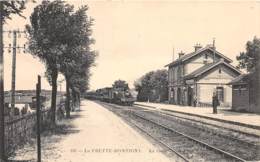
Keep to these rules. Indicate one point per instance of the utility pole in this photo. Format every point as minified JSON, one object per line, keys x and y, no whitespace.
{"x":2,"y":120}
{"x":14,"y":48}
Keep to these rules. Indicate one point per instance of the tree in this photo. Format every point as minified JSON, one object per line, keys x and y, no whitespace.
{"x":144,"y":87}
{"x":160,"y":84}
{"x":121,"y":84}
{"x":78,"y":56}
{"x":153,"y":86}
{"x":248,"y":59}
{"x":79,"y":84}
{"x":46,"y":39}
{"x":7,"y":8}
{"x":257,"y":82}
{"x":12,"y":7}
{"x":77,"y":78}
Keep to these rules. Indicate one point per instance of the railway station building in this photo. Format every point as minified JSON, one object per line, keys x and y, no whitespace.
{"x":195,"y":76}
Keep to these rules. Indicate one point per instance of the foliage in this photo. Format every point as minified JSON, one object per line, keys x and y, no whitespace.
{"x":153,"y":86}
{"x":46,"y":31}
{"x":12,"y":7}
{"x":248,"y":59}
{"x":46,"y":39}
{"x":78,"y":56}
{"x":61,"y":38}
{"x":121,"y":84}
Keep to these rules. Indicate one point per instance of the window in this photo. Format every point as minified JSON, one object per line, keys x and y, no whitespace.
{"x":219,"y":70}
{"x":206,"y":56}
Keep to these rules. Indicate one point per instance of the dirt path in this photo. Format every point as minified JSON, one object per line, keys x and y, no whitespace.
{"x":97,"y":135}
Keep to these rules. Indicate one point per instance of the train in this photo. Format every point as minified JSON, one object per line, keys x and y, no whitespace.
{"x":112,"y":95}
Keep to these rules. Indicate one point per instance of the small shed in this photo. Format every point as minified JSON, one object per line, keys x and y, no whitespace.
{"x":241,"y":93}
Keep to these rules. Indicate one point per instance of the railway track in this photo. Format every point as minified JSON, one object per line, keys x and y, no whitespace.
{"x":190,"y":145}
{"x":198,"y":120}
{"x":251,"y":140}
{"x":179,"y":156}
{"x":237,"y":147}
{"x":248,"y":139}
{"x":185,"y":147}
{"x":204,"y":127}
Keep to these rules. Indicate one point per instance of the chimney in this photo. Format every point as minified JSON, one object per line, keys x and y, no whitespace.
{"x":197,"y":47}
{"x":173,"y":54}
{"x":181,"y":54}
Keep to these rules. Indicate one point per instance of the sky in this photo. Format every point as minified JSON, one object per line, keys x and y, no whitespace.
{"x":135,"y":37}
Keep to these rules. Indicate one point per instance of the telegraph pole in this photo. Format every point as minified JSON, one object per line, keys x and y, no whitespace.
{"x":14,"y":48}
{"x":2,"y":120}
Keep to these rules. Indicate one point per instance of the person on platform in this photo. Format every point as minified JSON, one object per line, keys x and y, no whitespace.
{"x":215,"y":103}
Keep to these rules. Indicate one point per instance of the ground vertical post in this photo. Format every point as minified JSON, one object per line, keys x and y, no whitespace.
{"x":38,"y":113}
{"x":2,"y":125}
{"x":13,"y":72}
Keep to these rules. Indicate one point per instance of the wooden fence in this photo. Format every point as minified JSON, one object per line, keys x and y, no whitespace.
{"x":20,"y":130}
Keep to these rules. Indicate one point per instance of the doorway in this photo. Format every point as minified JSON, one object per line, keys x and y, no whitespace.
{"x":220,"y":94}
{"x":190,"y":94}
{"x":179,"y":96}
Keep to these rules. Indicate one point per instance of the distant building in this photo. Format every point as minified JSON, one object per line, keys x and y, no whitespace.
{"x":195,"y":76}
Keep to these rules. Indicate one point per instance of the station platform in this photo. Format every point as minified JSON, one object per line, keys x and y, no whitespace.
{"x":249,"y":120}
{"x":104,"y":136}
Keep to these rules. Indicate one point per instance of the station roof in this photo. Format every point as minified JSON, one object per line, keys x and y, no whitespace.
{"x":241,"y":79}
{"x":192,"y":54}
{"x":208,"y":67}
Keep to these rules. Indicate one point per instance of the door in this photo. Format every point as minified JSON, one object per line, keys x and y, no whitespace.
{"x":190,"y":92}
{"x":179,"y":96}
{"x":220,"y":94}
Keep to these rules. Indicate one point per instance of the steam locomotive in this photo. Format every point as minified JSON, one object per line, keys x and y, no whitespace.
{"x":112,"y":95}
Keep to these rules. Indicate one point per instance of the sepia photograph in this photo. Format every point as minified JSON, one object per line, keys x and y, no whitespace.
{"x":129,"y":81}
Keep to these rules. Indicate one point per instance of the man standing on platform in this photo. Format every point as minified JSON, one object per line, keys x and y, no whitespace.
{"x":215,"y":102}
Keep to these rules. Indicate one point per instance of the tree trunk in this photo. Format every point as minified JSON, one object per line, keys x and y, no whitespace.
{"x":73,"y":95}
{"x":53,"y":96}
{"x":67,"y":104}
{"x":258,"y":83}
{"x":78,"y":100}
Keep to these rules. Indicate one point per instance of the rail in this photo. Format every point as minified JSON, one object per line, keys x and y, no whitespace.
{"x":179,"y":155}
{"x":193,"y":139}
